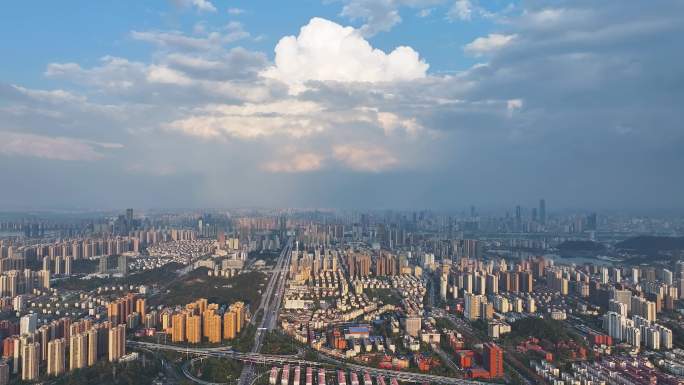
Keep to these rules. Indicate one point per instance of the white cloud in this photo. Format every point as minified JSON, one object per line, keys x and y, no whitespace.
{"x":235,"y":11}
{"x":235,"y":32}
{"x":114,"y":74}
{"x":55,"y":148}
{"x":425,"y":12}
{"x":514,"y":104}
{"x":200,"y":5}
{"x":174,"y":39}
{"x":326,"y":51}
{"x":289,"y":118}
{"x":488,"y":44}
{"x":467,"y":10}
{"x":209,"y":40}
{"x":381,"y":15}
{"x":461,"y":10}
{"x":52,"y":96}
{"x":365,"y":157}
{"x":204,"y":5}
{"x":295,"y":162}
{"x":544,"y":17}
{"x":390,"y":122}
{"x":166,"y":75}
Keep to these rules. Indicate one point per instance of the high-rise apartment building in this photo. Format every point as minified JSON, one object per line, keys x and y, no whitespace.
{"x":471,"y":308}
{"x":117,"y":342}
{"x":56,"y":364}
{"x":229,"y":325}
{"x":193,"y":329}
{"x":28,"y":323}
{"x":93,"y":339}
{"x":78,"y":351}
{"x":30,"y":361}
{"x":493,"y":360}
{"x":212,"y":327}
{"x":178,"y":327}
{"x":141,"y":307}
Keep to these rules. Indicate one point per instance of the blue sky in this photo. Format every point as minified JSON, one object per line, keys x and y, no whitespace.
{"x":347,"y":103}
{"x":84,"y":31}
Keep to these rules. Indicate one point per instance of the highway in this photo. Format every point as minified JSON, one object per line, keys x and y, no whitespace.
{"x":253,"y":358}
{"x":270,"y":306}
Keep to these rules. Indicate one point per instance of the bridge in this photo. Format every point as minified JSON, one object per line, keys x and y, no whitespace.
{"x":271,"y":359}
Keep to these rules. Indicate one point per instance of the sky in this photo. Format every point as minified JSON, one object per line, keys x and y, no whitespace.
{"x":342,"y":104}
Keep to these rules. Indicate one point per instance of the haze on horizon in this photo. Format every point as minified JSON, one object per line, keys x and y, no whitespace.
{"x":351,"y":103}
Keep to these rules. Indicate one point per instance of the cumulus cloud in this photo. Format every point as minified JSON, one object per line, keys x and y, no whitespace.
{"x":365,"y":157}
{"x":391,"y":122}
{"x":488,"y":44}
{"x":55,"y":148}
{"x":467,"y":10}
{"x":176,"y":39}
{"x":165,"y":75}
{"x":461,"y":10}
{"x":381,"y":15}
{"x":200,"y":5}
{"x":289,"y":118}
{"x":295,"y":162}
{"x":50,"y":96}
{"x":114,"y":73}
{"x":553,"y":78}
{"x":327,"y":51}
{"x":207,"y":40}
{"x":236,"y":63}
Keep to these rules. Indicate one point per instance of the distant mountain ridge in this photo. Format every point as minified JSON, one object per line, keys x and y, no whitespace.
{"x":649,"y":243}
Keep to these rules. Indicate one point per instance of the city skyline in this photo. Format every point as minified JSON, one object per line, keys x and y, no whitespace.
{"x":383,"y":297}
{"x":436,"y":104}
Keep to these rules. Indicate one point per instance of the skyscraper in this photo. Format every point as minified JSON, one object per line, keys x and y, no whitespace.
{"x":542,"y":211}
{"x":123,"y":265}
